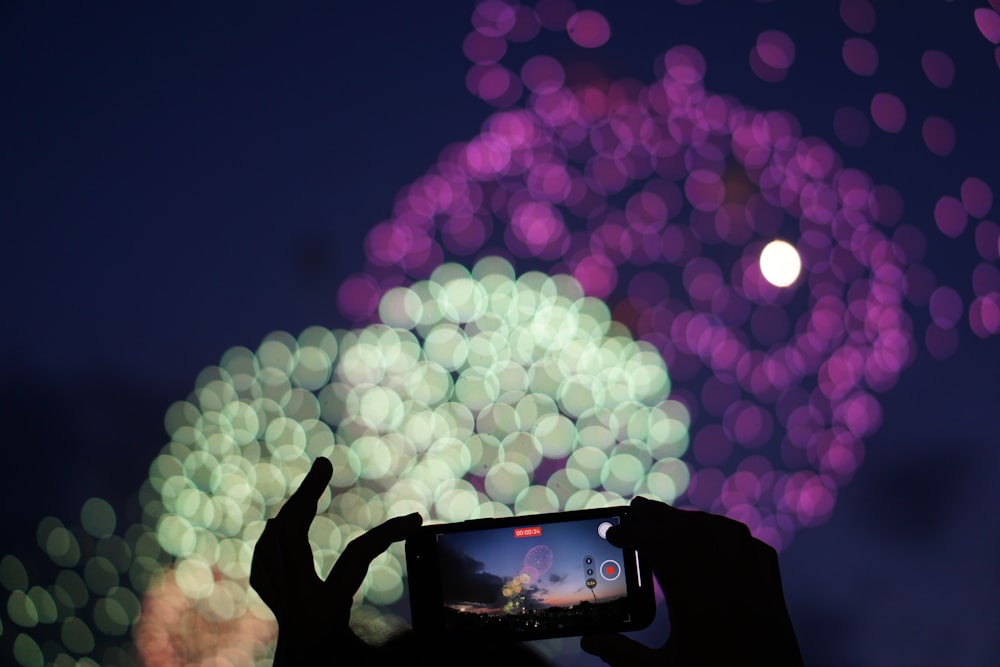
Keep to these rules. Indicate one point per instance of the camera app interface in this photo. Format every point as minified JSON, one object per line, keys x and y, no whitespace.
{"x":550,"y":576}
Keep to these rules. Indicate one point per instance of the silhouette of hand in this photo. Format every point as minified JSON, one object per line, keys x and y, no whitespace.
{"x":313,"y":614}
{"x":722,"y":588}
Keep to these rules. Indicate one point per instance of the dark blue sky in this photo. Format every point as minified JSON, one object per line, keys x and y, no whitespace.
{"x":181,"y":178}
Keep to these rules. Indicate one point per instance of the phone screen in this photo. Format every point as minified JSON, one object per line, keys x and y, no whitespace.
{"x":537,"y":576}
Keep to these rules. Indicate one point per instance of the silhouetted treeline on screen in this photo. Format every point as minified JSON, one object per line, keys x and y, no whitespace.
{"x":585,"y":613}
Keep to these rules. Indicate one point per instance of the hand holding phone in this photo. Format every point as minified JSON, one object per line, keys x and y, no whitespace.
{"x":722,"y":588}
{"x":528,"y":577}
{"x":313,"y":614}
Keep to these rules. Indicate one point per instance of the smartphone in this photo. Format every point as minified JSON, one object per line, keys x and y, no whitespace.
{"x":528,"y":577}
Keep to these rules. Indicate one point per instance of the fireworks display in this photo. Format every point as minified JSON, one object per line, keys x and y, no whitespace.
{"x":617,"y":287}
{"x":537,"y":562}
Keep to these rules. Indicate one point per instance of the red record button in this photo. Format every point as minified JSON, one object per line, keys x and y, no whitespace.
{"x":610,"y":570}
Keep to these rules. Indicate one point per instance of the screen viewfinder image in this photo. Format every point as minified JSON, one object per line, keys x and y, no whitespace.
{"x":547,"y":576}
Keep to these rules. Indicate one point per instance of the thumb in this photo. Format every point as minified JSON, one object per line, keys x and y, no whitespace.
{"x":618,"y":650}
{"x":352,"y":566}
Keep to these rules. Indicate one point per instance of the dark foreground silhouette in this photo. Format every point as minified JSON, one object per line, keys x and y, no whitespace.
{"x":722,"y":588}
{"x":603,"y":613}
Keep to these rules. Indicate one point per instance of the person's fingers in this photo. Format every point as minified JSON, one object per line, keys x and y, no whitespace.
{"x":630,"y":536}
{"x":282,"y":569}
{"x":649,"y":521}
{"x":653,"y":525}
{"x":619,"y":650}
{"x":352,"y":566}
{"x":299,"y":510}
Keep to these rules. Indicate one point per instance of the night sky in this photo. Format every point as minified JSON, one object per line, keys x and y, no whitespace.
{"x":180,"y":178}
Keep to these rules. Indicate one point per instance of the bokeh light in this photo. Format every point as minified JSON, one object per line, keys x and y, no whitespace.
{"x":780,"y":263}
{"x":482,"y":393}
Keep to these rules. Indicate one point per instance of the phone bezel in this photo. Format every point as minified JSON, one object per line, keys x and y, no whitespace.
{"x":424,"y":576}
